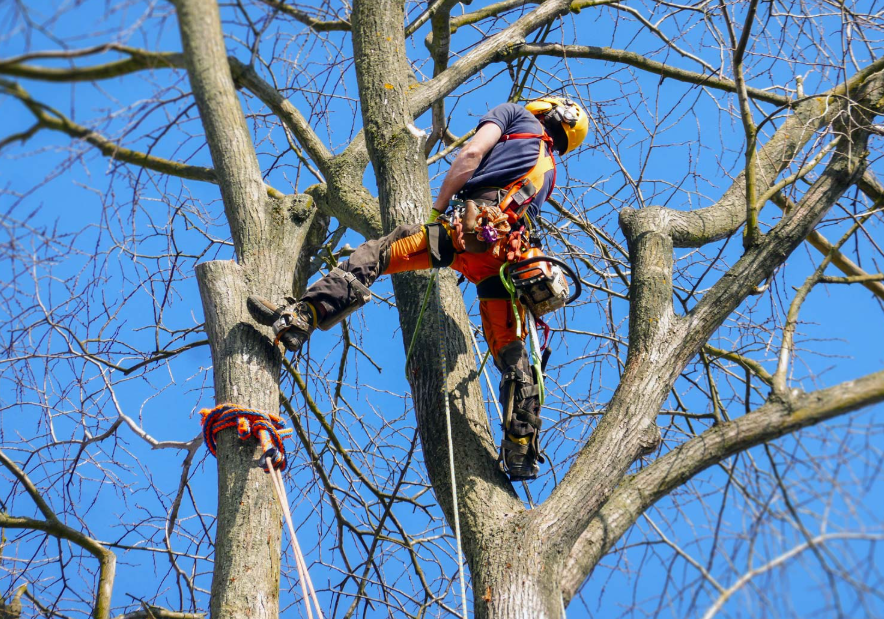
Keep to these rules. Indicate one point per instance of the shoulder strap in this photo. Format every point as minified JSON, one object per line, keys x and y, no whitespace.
{"x":534,"y":178}
{"x":526,"y":136}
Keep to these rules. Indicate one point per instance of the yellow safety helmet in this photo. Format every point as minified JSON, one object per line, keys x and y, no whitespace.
{"x":575,"y":122}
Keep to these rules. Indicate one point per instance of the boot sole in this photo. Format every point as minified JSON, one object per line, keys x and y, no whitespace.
{"x":263,"y":311}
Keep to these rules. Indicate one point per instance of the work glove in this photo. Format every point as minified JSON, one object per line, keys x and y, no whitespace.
{"x":434,"y":215}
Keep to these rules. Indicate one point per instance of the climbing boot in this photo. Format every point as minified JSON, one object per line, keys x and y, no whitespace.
{"x":518,"y":458}
{"x":519,"y":394}
{"x":520,"y":447}
{"x":292,"y":322}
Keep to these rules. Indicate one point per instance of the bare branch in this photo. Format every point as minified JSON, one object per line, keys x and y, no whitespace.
{"x":770,"y":421}
{"x":55,"y":527}
{"x":314,"y":23}
{"x":825,"y":247}
{"x":49,"y":118}
{"x":622,"y":56}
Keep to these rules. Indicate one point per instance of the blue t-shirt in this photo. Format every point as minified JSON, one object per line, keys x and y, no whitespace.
{"x":511,"y":160}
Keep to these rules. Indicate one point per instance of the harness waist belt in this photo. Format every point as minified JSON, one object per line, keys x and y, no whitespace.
{"x":489,"y":195}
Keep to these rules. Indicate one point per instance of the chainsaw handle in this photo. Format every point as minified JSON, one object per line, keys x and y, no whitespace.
{"x":571,"y":273}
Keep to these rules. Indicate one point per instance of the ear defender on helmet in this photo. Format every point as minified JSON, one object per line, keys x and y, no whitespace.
{"x":571,"y":117}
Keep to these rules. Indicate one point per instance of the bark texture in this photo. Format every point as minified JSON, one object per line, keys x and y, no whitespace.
{"x":268,"y":235}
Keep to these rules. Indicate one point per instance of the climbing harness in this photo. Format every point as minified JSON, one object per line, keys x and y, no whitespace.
{"x":443,"y":351}
{"x":519,"y":194}
{"x":270,"y":430}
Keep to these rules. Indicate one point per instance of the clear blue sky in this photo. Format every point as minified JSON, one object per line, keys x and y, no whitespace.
{"x":99,"y":220}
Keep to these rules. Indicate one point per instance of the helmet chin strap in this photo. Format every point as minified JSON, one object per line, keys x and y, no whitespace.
{"x":554,"y":128}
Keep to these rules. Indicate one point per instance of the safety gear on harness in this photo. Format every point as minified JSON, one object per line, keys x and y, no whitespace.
{"x":476,"y":225}
{"x":518,"y":195}
{"x":574,"y":121}
{"x":540,"y":284}
{"x":519,"y":394}
{"x":292,"y":323}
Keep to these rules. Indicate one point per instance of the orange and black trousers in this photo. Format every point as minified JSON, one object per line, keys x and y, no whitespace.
{"x":423,"y":246}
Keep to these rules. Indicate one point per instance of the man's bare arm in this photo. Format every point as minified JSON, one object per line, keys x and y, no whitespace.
{"x":465,"y":164}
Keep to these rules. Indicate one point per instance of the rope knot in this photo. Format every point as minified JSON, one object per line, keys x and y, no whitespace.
{"x":268,"y":428}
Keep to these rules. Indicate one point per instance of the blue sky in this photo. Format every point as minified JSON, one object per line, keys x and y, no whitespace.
{"x":100,"y":213}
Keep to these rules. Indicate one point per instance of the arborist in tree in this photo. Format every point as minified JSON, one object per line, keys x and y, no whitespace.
{"x":500,"y":178}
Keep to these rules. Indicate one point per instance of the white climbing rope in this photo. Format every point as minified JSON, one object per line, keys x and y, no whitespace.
{"x":303,"y":573}
{"x":443,"y":351}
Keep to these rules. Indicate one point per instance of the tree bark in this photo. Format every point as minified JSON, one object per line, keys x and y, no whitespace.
{"x":486,"y":499}
{"x":268,"y":235}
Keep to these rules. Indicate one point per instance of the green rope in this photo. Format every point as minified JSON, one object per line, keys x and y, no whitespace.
{"x":510,"y":287}
{"x":535,"y":363}
{"x":420,"y":318}
{"x":484,"y":361}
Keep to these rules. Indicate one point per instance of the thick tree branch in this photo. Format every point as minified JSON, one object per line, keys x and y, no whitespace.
{"x":696,"y":228}
{"x":770,"y":421}
{"x":633,"y":59}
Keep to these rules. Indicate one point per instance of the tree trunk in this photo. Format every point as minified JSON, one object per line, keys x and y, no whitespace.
{"x":268,"y":235}
{"x":246,"y":371}
{"x":486,"y":499}
{"x":514,"y":580}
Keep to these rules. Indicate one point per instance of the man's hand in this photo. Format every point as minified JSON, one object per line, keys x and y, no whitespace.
{"x":466,"y":162}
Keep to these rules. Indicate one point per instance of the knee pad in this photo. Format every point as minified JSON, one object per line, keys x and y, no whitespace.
{"x":440,"y":245}
{"x":518,"y":378}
